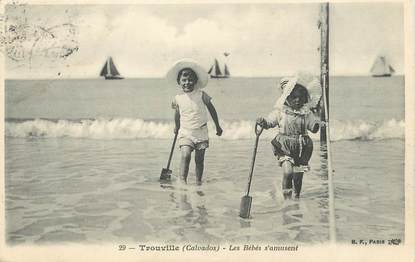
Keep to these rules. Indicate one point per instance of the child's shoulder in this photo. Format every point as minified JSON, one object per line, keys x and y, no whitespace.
{"x":176,"y":97}
{"x":179,"y":95}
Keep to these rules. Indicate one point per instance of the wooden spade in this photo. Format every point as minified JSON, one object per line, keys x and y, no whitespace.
{"x":166,"y":172}
{"x":246,"y":200}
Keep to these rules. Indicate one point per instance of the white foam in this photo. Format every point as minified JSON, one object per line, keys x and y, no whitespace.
{"x":127,"y":128}
{"x":366,"y":130}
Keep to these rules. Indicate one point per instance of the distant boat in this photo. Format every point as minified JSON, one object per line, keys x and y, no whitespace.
{"x":109,"y":71}
{"x":381,"y":68}
{"x":215,"y":71}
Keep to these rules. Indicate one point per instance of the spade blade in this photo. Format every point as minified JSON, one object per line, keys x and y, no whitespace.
{"x":245,"y":209}
{"x":165,"y":174}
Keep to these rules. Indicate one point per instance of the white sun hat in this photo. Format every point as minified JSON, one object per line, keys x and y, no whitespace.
{"x":310,"y":82}
{"x":201,"y":73}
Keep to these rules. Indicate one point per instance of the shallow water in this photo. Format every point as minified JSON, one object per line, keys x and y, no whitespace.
{"x":105,"y":190}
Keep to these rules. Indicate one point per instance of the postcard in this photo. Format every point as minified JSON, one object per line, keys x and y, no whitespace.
{"x":207,"y":130}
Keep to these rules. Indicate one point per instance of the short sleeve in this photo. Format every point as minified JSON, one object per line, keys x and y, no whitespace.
{"x":311,"y":121}
{"x":206,"y":98}
{"x":174,"y":104}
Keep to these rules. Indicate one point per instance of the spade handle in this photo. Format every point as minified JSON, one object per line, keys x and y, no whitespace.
{"x":172,"y":149}
{"x":258,"y":131}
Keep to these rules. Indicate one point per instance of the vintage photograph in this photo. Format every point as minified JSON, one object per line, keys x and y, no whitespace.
{"x":204,"y":126}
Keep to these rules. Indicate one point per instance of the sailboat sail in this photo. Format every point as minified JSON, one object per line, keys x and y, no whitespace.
{"x":381,"y":67}
{"x":109,"y":71}
{"x":104,"y":70}
{"x":216,"y":72}
{"x":113,"y":69}
{"x":226,"y":71}
{"x":217,"y":68}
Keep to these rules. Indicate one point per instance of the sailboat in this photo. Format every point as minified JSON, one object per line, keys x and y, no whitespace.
{"x":381,"y":68}
{"x":109,"y":71}
{"x":215,"y":71}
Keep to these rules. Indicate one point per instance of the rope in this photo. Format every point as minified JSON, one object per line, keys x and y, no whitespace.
{"x":332,"y":215}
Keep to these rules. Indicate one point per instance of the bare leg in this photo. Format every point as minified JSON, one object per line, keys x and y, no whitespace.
{"x":199,"y":160}
{"x":186,"y":152}
{"x":298,"y":182}
{"x":287,"y":184}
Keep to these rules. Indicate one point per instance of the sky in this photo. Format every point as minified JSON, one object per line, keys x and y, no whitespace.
{"x":73,"y":41}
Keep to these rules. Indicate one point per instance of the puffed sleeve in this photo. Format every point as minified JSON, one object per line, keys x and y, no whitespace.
{"x":273,"y":118}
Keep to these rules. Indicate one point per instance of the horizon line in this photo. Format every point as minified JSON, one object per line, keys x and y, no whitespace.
{"x":161,"y":77}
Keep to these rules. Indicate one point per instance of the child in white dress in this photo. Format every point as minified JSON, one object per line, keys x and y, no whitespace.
{"x":191,"y":115}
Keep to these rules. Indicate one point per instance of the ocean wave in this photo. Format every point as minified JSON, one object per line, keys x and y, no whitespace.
{"x":362,"y":130}
{"x":128,"y":128}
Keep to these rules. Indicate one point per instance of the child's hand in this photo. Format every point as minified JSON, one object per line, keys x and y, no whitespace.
{"x":219,"y":131}
{"x":261,"y":122}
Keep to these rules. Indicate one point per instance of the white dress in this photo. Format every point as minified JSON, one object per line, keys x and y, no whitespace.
{"x":193,"y":115}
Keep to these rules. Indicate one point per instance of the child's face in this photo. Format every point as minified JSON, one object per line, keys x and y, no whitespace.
{"x":187,"y":80}
{"x":297,"y":98}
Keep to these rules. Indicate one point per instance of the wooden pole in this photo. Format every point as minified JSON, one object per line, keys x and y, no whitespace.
{"x":332,"y":212}
{"x":325,"y":130}
{"x":324,"y":63}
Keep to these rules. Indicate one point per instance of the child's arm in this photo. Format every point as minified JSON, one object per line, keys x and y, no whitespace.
{"x":270,"y":121}
{"x":176,"y":116}
{"x":176,"y":120}
{"x":207,"y":100}
{"x":315,"y":128}
{"x":215,"y":118}
{"x":313,"y":123}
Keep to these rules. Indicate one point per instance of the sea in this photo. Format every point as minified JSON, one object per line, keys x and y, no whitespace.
{"x":83,"y":159}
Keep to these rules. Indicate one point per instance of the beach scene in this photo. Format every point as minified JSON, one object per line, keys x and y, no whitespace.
{"x":89,"y":124}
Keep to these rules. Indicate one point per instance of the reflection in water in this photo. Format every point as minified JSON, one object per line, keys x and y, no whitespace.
{"x":291,"y":214}
{"x":196,"y":213}
{"x":323,"y":172}
{"x":244,"y":223}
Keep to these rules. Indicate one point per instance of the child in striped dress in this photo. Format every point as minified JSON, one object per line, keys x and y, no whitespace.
{"x":292,"y":146}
